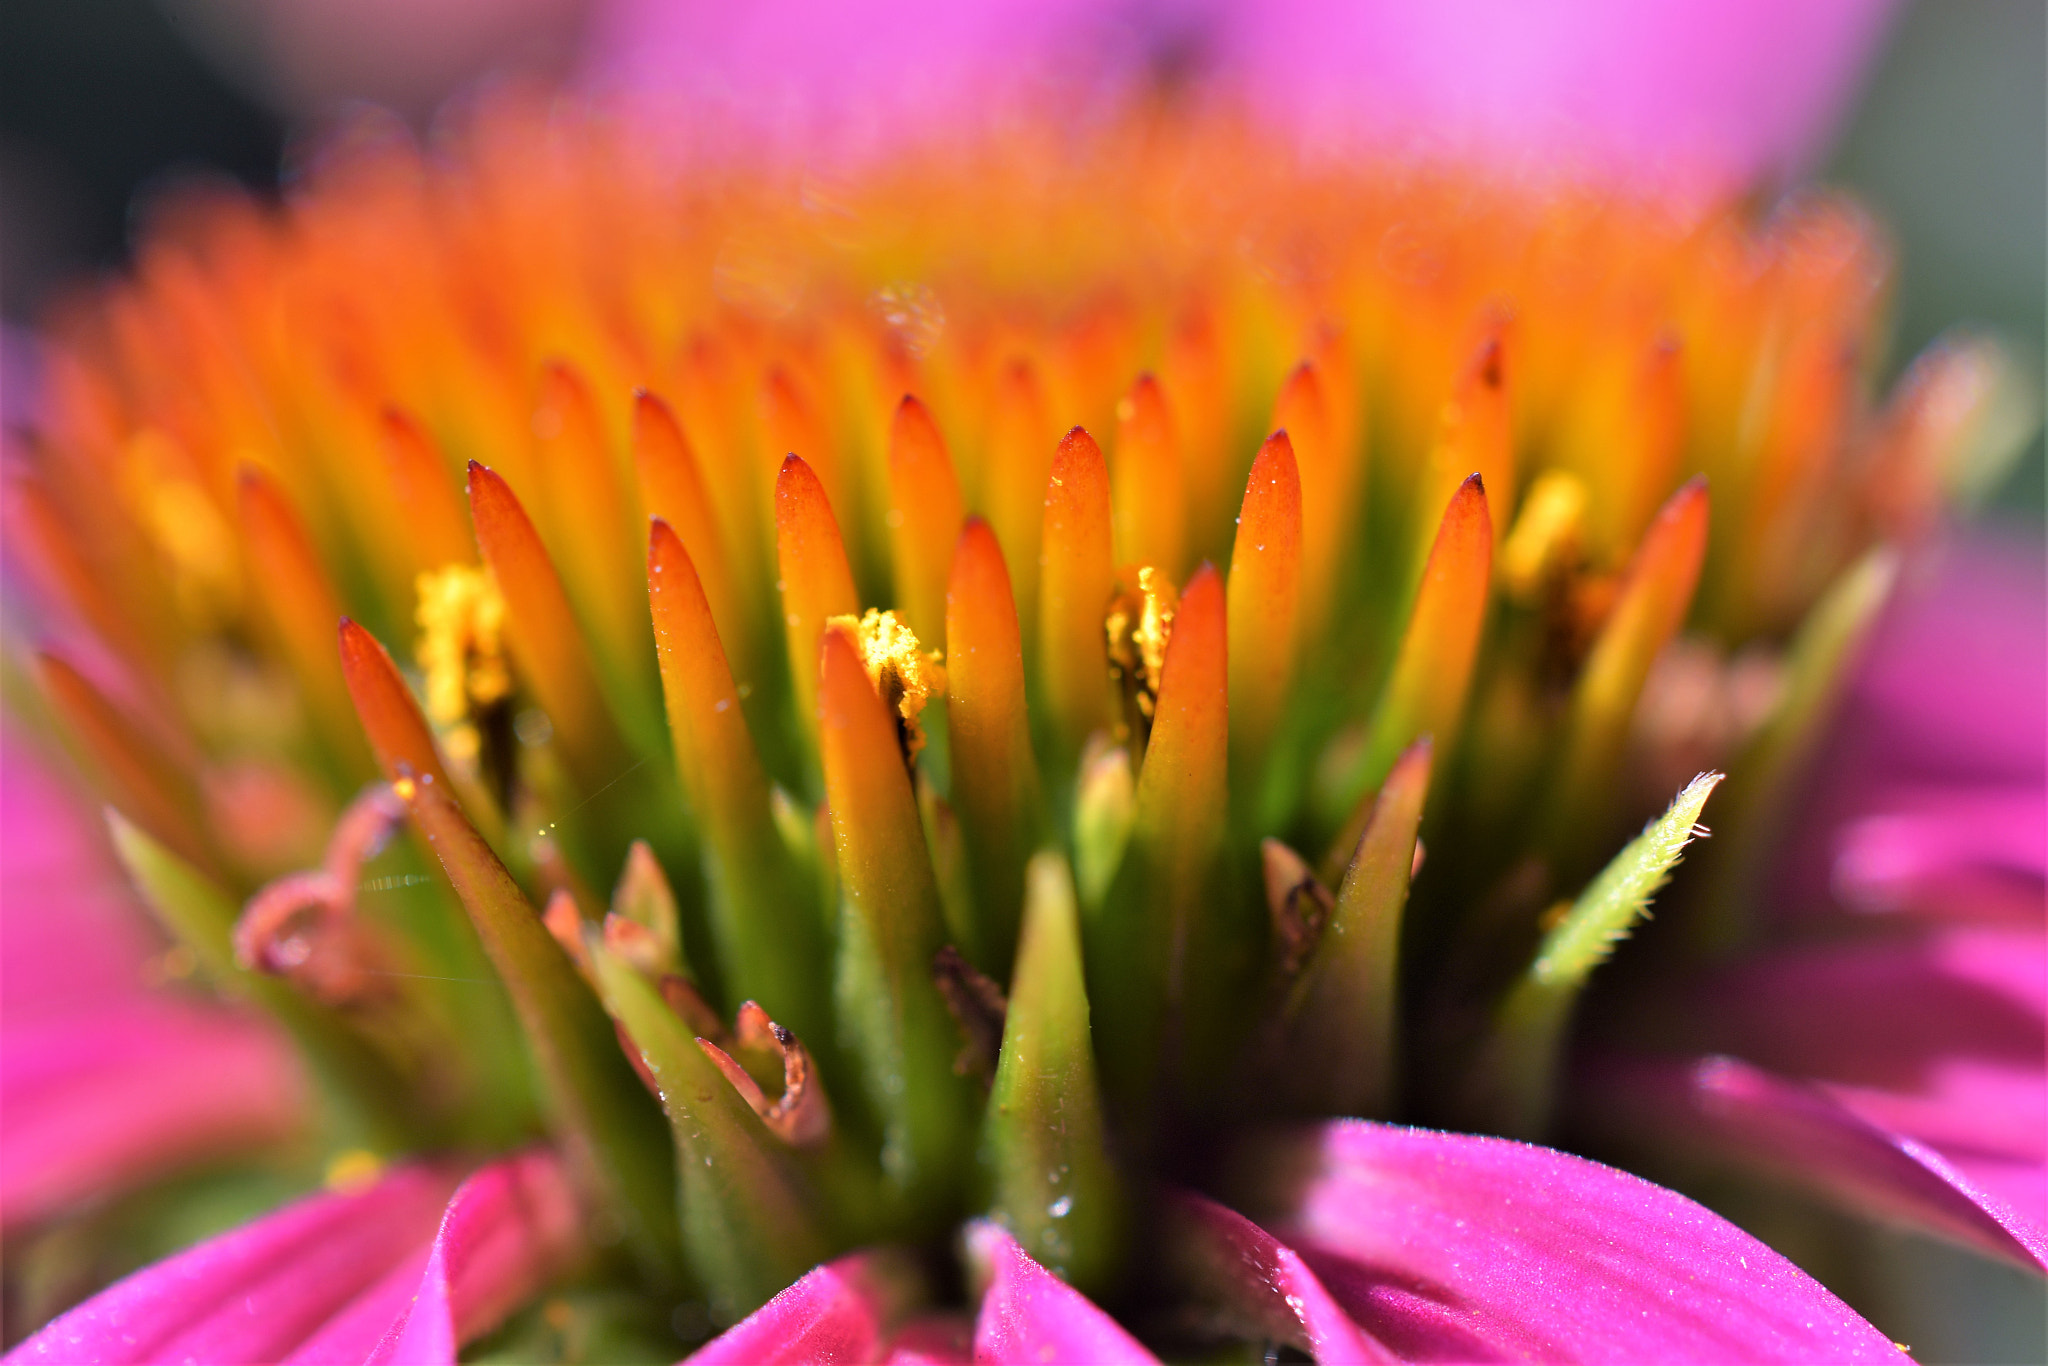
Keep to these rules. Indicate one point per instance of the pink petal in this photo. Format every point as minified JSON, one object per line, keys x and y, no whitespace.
{"x":1942,"y":745}
{"x":1447,"y":1246}
{"x":254,"y":1294}
{"x":509,"y":1229}
{"x":99,"y":1103}
{"x":1726,"y":1110}
{"x":1980,"y":852}
{"x":1266,"y":1286}
{"x":1726,"y":87}
{"x":1953,"y":683}
{"x":1950,"y":1024}
{"x":1028,"y":1315}
{"x":838,"y":1312}
{"x":72,"y":935}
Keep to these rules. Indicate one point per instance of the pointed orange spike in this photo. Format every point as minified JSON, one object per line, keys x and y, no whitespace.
{"x":1018,"y":457}
{"x":391,"y":719}
{"x":1166,"y":954}
{"x":924,"y":516}
{"x":1329,"y":487}
{"x":995,"y":775}
{"x":875,"y":825}
{"x":586,"y":511}
{"x":895,"y":922}
{"x":1077,"y":574}
{"x":146,"y":784}
{"x":794,"y":427}
{"x":1425,"y":693}
{"x":437,"y":525}
{"x":1655,"y":595}
{"x":546,"y":640}
{"x":672,"y":489}
{"x":286,"y":572}
{"x":1475,"y":430}
{"x":768,"y":937}
{"x":1264,"y":597}
{"x":1151,"y":503}
{"x":816,"y":580}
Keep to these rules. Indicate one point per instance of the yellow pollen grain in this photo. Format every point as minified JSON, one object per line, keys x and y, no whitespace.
{"x":1138,"y":625}
{"x":353,"y":1170}
{"x":906,"y":676}
{"x":461,"y":617}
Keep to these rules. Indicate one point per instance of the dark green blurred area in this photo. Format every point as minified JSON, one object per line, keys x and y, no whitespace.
{"x":1948,"y":142}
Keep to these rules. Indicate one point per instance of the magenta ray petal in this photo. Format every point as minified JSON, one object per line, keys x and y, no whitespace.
{"x":105,"y":1084}
{"x":1969,"y":852}
{"x":1266,"y":1286}
{"x":837,"y":1312}
{"x":508,"y":1230}
{"x":1453,"y":1247}
{"x":256,"y":1293}
{"x":1950,"y":1023}
{"x":97,"y":1103}
{"x":1726,"y":1110}
{"x":1029,"y":1316}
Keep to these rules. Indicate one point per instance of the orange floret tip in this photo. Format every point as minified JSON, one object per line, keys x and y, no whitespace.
{"x":546,"y":640}
{"x":1656,"y":593}
{"x":1265,"y":596}
{"x":1425,"y":693}
{"x":924,"y":516}
{"x":815,"y":578}
{"x":1077,"y":574}
{"x":996,"y":775}
{"x":672,"y":489}
{"x":391,"y":719}
{"x":1150,"y":498}
{"x":287,"y":573}
{"x":437,"y":525}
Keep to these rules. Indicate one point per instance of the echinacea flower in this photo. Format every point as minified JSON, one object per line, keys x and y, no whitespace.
{"x":1125,"y":699}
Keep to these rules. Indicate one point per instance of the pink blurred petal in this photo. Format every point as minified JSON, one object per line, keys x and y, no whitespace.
{"x":1725,"y":87}
{"x":106,"y":1084}
{"x":507,"y":1231}
{"x":70,"y":934}
{"x":256,"y":1293}
{"x":1030,"y":1316}
{"x":836,"y":1312}
{"x":1730,"y":1111}
{"x":1714,"y":88}
{"x":510,"y":1229}
{"x":1929,"y":798}
{"x":100,"y":1103}
{"x":1265,"y":1287}
{"x":1977,"y":851}
{"x":1955,"y":1017}
{"x":1452,"y":1247}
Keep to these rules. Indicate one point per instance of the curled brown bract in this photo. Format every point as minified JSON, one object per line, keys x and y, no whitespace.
{"x":800,"y":1116}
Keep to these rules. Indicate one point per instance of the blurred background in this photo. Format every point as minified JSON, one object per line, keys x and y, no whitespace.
{"x":100,"y":100}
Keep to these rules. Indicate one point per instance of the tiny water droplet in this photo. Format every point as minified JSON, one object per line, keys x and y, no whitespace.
{"x":1061,"y":1208}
